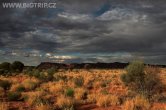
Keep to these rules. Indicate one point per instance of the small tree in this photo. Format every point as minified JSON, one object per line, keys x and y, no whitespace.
{"x":140,"y":79}
{"x":17,"y":66}
{"x":5,"y":84}
{"x":4,"y":67}
{"x":135,"y":75}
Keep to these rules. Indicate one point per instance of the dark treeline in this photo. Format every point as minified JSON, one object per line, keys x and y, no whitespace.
{"x":115,"y":65}
{"x":18,"y":66}
{"x":7,"y":67}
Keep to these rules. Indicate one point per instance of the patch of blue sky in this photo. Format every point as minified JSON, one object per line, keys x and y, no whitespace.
{"x":103,"y":9}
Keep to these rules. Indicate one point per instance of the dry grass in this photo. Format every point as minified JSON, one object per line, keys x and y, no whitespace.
{"x":92,"y":98}
{"x":1,"y":92}
{"x":64,"y":102}
{"x":79,"y":93}
{"x":4,"y":106}
{"x":43,"y":107}
{"x":30,"y":84}
{"x":56,"y":88}
{"x":101,"y":87}
{"x":33,"y":97}
{"x":107,"y":100}
{"x":139,"y":102}
{"x":14,"y":87}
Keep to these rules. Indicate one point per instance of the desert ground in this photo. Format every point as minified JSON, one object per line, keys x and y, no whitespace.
{"x":76,"y":89}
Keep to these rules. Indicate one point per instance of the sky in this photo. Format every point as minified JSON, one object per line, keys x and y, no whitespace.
{"x":81,"y":31}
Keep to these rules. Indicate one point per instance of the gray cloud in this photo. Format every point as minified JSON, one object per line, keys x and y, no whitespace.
{"x":87,"y":27}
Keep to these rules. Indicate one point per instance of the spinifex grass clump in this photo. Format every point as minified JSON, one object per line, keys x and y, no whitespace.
{"x":20,"y":88}
{"x":70,"y":92}
{"x":79,"y":81}
{"x":14,"y":96}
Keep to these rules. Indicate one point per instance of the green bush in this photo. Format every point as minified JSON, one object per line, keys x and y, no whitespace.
{"x":14,"y":96}
{"x":51,"y":73}
{"x":5,"y":84}
{"x":103,"y":85}
{"x":35,"y":73}
{"x":135,"y":75}
{"x":20,"y":88}
{"x":4,"y":68}
{"x":29,"y":69}
{"x":17,"y":66}
{"x":70,"y":92}
{"x":125,"y":78}
{"x":142,"y":80}
{"x":30,"y":72}
{"x":42,"y":75}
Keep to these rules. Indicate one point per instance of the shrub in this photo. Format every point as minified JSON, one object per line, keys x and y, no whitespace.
{"x":44,"y":76}
{"x":35,"y":98}
{"x":14,"y":96}
{"x":30,"y":85}
{"x":70,"y":92}
{"x":51,"y":71}
{"x":28,"y":70}
{"x":17,"y":66}
{"x":5,"y":67}
{"x":50,"y":74}
{"x":135,"y":74}
{"x":79,"y":81}
{"x":143,"y":80}
{"x":36,"y":73}
{"x":5,"y":84}
{"x":20,"y":88}
{"x":103,"y":84}
{"x":104,"y":92}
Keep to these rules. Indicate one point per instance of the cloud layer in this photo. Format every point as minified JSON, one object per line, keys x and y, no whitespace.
{"x":85,"y":31}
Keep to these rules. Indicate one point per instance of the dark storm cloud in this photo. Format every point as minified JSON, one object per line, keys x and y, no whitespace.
{"x":81,"y":6}
{"x":136,"y":27}
{"x":64,"y":24}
